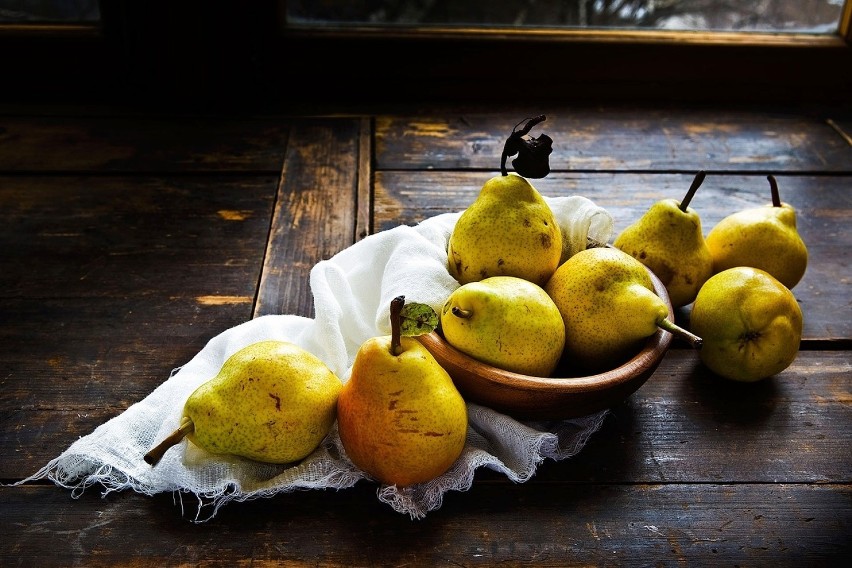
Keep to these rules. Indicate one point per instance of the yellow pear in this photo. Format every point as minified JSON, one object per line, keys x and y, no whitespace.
{"x":668,"y":239}
{"x":271,"y":401}
{"x":509,"y":230}
{"x":400,"y":417}
{"x":761,"y":237}
{"x":507,"y":322}
{"x":609,"y":308}
{"x":750,"y":322}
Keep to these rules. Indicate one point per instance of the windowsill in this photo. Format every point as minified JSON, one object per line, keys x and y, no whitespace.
{"x":624,"y":36}
{"x":51,"y":30}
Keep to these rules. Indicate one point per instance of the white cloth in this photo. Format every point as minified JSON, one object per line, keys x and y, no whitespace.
{"x":352,"y":293}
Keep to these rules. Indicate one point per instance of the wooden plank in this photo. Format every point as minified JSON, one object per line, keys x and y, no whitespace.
{"x":44,"y":143}
{"x":824,"y":207}
{"x":315,"y":213}
{"x":619,"y":139}
{"x":683,"y":426}
{"x":687,"y":425}
{"x":31,"y":438}
{"x":88,"y":353}
{"x":109,"y":283}
{"x":118,"y":236}
{"x":364,"y":217}
{"x":491,"y":524}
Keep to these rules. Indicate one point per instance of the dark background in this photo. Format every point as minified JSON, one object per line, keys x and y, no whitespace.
{"x":235,"y":54}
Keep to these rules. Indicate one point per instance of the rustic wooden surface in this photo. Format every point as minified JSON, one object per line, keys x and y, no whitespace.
{"x":128,"y":241}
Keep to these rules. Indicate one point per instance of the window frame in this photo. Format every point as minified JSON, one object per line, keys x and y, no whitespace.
{"x":126,"y":55}
{"x":699,"y":66}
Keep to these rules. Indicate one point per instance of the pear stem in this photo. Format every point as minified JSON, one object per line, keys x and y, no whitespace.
{"x":672,"y":327}
{"x":396,"y":324}
{"x":460,"y":313}
{"x":773,"y":187}
{"x":696,"y":183}
{"x":156,"y":453}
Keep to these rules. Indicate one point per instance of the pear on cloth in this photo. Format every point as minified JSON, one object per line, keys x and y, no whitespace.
{"x":271,"y":401}
{"x":400,"y":418}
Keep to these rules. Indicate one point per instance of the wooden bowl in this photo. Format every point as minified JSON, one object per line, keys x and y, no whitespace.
{"x":545,"y":398}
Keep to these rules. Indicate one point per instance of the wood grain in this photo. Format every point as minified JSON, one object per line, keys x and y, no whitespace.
{"x":686,"y":424}
{"x":86,"y":353}
{"x":164,"y":143}
{"x":315,"y":212}
{"x":619,"y":139}
{"x":608,"y":525}
{"x":86,"y":236}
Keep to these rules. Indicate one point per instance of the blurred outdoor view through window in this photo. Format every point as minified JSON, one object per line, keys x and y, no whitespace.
{"x":801,"y":16}
{"x":49,"y":11}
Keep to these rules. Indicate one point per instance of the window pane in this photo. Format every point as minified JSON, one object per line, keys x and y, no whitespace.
{"x":808,"y":16}
{"x":49,"y":11}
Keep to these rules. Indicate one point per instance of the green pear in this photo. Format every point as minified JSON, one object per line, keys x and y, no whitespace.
{"x":509,"y":230}
{"x":271,"y":401}
{"x":668,"y":239}
{"x":763,"y":237}
{"x":609,"y":307}
{"x":400,"y":417}
{"x":750,"y":322}
{"x":507,"y":322}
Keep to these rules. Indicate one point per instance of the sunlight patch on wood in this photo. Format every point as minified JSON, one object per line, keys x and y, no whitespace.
{"x":234,"y":215}
{"x":436,"y":129}
{"x":223,"y":300}
{"x":606,"y":162}
{"x":700,"y":129}
{"x":760,"y":159}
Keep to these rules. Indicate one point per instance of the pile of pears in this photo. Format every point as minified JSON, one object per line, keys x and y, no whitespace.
{"x":399,"y":416}
{"x":522,"y":307}
{"x":518,"y":299}
{"x":669,"y":240}
{"x":738,"y":279}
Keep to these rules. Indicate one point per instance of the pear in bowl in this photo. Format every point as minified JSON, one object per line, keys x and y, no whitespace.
{"x":507,"y":322}
{"x":563,"y":395}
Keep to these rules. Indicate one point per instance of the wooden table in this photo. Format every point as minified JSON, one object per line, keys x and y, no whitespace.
{"x":131,"y":238}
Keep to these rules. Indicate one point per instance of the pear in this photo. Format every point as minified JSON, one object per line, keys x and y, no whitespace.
{"x":669,"y":240}
{"x":271,"y":401}
{"x":763,"y":237}
{"x":400,"y":417}
{"x":609,"y":307}
{"x":509,"y":230}
{"x":750,"y":322}
{"x":507,"y":322}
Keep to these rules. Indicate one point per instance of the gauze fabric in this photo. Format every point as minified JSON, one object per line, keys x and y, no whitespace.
{"x":352,"y":292}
